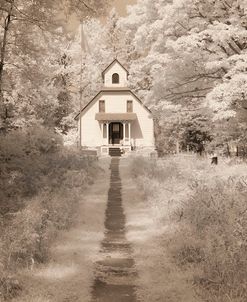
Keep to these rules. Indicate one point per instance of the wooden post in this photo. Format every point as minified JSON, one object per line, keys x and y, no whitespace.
{"x":102,"y":131}
{"x":129,"y":133}
{"x":124,"y":134}
{"x":107,"y":133}
{"x":177,"y":147}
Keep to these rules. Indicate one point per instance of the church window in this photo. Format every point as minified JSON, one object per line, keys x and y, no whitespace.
{"x":115,"y":78}
{"x":101,"y":106}
{"x":129,"y":106}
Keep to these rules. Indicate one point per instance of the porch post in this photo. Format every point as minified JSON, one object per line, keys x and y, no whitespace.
{"x":107,"y":132}
{"x":129,"y":133}
{"x":124,"y":134}
{"x":102,"y":132}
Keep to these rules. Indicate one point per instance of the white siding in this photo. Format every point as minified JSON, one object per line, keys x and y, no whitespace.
{"x":123,"y":76}
{"x":142,"y":130}
{"x":90,"y":129}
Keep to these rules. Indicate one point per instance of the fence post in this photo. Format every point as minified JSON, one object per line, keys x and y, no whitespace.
{"x":177,"y":147}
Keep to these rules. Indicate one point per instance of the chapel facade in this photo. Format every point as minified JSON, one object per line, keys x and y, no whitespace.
{"x":116,"y":121}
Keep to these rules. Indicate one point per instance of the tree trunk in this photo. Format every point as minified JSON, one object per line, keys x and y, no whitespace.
{"x":6,"y":26}
{"x":228,"y":150}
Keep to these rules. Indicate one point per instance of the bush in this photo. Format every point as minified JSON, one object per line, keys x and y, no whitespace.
{"x":217,"y":213}
{"x":203,"y":211}
{"x":9,"y":287}
{"x":153,"y":168}
{"x":40,"y":186}
{"x":25,"y":157}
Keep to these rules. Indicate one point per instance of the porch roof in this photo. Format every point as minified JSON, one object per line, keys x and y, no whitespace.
{"x":104,"y":117}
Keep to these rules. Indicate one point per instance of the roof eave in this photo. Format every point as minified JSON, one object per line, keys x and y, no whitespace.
{"x":116,"y":60}
{"x":127,"y":90}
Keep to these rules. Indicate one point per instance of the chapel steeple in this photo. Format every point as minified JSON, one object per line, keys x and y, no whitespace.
{"x":115,"y":75}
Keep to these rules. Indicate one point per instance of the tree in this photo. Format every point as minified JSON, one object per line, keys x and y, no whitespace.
{"x":192,"y":55}
{"x":31,"y":31}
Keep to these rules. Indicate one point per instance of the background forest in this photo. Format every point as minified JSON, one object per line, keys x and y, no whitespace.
{"x":187,"y":61}
{"x":40,"y":179}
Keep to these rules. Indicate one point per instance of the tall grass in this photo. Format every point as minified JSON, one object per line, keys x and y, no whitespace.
{"x":205,"y":209}
{"x":41,"y":185}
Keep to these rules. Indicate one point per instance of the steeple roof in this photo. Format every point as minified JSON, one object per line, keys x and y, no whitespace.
{"x":112,"y":63}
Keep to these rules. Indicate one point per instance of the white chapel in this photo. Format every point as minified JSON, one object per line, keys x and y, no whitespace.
{"x":115,"y":121}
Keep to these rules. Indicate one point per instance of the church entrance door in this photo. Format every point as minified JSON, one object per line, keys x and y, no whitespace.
{"x":115,"y":133}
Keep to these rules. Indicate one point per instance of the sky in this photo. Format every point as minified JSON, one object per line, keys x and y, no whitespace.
{"x":120,"y":5}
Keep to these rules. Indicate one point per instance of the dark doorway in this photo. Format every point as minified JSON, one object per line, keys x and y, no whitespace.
{"x":115,"y":133}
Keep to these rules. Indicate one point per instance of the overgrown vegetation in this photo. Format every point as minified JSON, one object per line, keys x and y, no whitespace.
{"x":40,"y":180}
{"x":41,"y":183}
{"x":204,"y":212}
{"x":187,"y":62}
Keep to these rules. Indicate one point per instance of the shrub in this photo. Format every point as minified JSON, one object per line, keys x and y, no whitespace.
{"x":41,"y":184}
{"x":203,"y":211}
{"x":154,"y":169}
{"x":25,"y":157}
{"x":9,"y":287}
{"x":217,"y":213}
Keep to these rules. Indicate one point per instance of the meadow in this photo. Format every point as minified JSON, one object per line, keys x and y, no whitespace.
{"x":41,"y":185}
{"x":196,"y":247}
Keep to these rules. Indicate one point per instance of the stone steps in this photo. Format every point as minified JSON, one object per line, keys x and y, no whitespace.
{"x":115,"y":152}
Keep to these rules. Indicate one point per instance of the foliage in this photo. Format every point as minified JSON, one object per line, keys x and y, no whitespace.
{"x":217,"y":213}
{"x":187,"y":63}
{"x":192,"y":61}
{"x":34,"y":82}
{"x":202,"y":212}
{"x":41,"y":184}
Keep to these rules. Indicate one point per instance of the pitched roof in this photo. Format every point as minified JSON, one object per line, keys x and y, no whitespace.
{"x":111,"y":90}
{"x":113,"y":62}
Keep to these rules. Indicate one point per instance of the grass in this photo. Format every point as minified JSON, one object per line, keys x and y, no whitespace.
{"x":68,"y":273}
{"x":199,"y":221}
{"x":41,"y":185}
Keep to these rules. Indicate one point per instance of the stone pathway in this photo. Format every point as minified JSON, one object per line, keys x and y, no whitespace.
{"x":115,"y":271}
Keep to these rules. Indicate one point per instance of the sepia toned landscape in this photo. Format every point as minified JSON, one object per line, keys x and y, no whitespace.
{"x":123,"y":146}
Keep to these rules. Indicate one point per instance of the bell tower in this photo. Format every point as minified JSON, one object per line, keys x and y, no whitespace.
{"x":115,"y":75}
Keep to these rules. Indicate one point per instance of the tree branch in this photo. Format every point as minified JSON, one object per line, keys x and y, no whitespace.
{"x":87,"y":6}
{"x":197,"y":78}
{"x":172,"y":94}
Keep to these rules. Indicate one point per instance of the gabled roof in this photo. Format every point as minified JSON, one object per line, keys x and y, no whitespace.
{"x":111,"y":90}
{"x":112,"y":63}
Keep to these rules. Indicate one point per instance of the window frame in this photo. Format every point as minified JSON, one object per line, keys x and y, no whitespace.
{"x":115,"y":78}
{"x":101,"y":105}
{"x":129,"y":109}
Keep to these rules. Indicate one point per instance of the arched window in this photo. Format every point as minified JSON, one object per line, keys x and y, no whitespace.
{"x":115,"y":78}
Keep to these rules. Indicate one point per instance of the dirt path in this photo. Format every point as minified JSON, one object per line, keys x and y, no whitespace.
{"x":159,"y":279}
{"x":92,"y":262}
{"x":69,"y":275}
{"x":115,"y":275}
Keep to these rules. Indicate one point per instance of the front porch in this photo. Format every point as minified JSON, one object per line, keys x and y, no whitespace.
{"x":116,"y":135}
{"x":116,"y":132}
